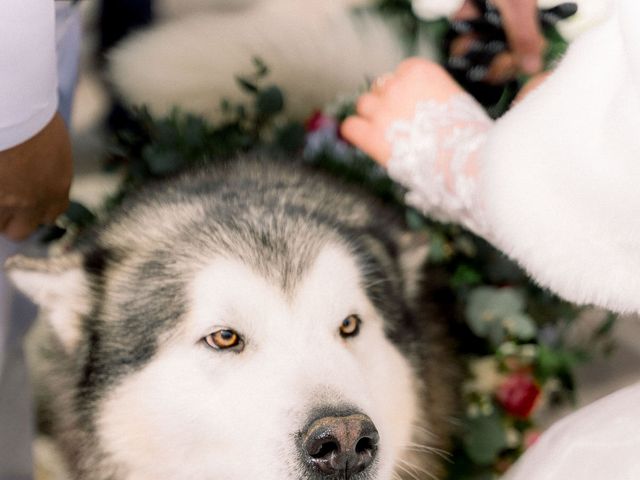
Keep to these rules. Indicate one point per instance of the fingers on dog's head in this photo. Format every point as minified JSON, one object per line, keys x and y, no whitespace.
{"x":368,"y":104}
{"x":419,"y":67}
{"x":366,"y":136}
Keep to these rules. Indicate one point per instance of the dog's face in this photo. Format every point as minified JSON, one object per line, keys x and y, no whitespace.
{"x":259,"y":383}
{"x":268,"y":346}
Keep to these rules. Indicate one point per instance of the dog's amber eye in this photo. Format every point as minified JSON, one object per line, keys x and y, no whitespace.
{"x":223,"y":339}
{"x":350,"y":326}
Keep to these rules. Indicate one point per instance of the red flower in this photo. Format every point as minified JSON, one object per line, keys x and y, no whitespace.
{"x":518,"y":395}
{"x":320,"y":121}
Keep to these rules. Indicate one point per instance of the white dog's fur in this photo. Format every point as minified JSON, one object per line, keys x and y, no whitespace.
{"x":129,"y":389}
{"x":316,"y":50}
{"x":276,"y":329}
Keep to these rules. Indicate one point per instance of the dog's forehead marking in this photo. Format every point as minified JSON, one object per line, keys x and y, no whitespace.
{"x":228,"y":289}
{"x":331,"y":285}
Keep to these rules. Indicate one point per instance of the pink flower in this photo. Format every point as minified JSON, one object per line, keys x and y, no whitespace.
{"x":518,"y":394}
{"x":531,"y":437}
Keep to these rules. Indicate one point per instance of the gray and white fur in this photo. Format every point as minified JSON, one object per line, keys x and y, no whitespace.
{"x":130,"y":386}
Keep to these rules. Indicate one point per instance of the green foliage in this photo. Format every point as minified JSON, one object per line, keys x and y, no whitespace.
{"x":498,"y":314}
{"x":160,"y":147}
{"x":269,"y":101}
{"x":79,"y":215}
{"x":484,"y":438}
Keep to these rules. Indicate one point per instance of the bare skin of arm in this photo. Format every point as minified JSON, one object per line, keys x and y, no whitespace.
{"x":414,"y":80}
{"x":395,"y":99}
{"x":35,"y":178}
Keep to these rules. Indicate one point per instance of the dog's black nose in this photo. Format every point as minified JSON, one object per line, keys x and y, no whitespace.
{"x":343,"y":445}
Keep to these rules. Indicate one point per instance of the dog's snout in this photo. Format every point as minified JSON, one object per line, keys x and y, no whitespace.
{"x":340,"y":444}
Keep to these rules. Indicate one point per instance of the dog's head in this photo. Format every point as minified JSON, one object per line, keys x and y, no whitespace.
{"x":270,"y":336}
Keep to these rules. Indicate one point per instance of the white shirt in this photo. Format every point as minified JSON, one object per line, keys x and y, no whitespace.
{"x":28,"y":79}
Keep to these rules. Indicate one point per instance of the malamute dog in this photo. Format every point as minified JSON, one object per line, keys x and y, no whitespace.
{"x":250,"y":322}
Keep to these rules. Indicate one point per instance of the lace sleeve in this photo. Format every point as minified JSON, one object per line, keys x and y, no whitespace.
{"x":434,"y":157}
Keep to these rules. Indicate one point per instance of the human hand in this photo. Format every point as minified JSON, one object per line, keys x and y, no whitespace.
{"x":35,"y":178}
{"x":526,"y":43}
{"x":394,"y":99}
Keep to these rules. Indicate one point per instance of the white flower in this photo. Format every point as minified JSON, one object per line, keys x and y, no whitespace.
{"x":590,"y":13}
{"x":432,"y":9}
{"x":485,"y":375}
{"x":513,"y":438}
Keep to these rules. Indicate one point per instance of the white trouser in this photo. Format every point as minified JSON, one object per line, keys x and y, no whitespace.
{"x":16,"y":425}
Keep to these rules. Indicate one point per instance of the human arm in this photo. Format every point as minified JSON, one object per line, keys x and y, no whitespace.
{"x":35,"y":177}
{"x":557,"y":176}
{"x":427,"y":132}
{"x":35,"y":159}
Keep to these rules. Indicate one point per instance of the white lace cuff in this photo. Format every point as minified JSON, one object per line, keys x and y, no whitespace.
{"x":434,"y":156}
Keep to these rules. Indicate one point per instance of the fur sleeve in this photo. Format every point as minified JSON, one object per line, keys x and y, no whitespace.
{"x":561,"y":171}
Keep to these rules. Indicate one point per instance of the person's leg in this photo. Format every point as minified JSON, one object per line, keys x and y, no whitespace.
{"x":16,"y":418}
{"x":16,"y":412}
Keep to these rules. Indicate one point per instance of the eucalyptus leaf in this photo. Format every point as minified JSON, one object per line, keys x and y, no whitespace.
{"x":488,"y":306}
{"x":557,"y":363}
{"x":270,"y":101}
{"x":291,"y":137}
{"x":262,"y":70}
{"x":247,"y":85}
{"x":484,"y":438}
{"x":438,"y":251}
{"x":520,"y":326}
{"x":79,"y":214}
{"x":194,"y":133}
{"x":496,"y":334}
{"x":162,"y":162}
{"x":605,"y":328}
{"x":465,"y":275}
{"x":415,"y":221}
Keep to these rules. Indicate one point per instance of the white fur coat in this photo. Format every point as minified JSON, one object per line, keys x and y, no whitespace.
{"x":561,"y":170}
{"x":561,"y":191}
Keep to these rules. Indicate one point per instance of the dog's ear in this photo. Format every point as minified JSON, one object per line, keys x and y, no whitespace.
{"x":59,"y":286}
{"x":413,"y":247}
